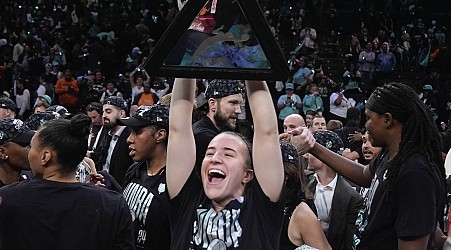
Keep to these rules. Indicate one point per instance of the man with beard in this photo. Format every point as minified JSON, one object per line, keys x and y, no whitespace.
{"x":111,"y":152}
{"x":223,"y":98}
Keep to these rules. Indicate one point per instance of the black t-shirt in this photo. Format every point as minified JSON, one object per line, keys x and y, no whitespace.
{"x":204,"y":131}
{"x":148,"y":202}
{"x":412,"y":210}
{"x":249,"y":222}
{"x":43,"y":214}
{"x":343,"y":133}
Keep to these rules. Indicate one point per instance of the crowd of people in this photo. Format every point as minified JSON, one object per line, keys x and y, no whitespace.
{"x":96,"y":153}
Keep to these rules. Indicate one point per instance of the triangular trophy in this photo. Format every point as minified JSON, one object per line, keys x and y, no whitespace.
{"x":221,"y":39}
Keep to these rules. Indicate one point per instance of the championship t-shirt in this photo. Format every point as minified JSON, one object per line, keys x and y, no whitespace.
{"x":249,"y":222}
{"x":412,"y":210}
{"x":147,"y":200}
{"x":43,"y":214}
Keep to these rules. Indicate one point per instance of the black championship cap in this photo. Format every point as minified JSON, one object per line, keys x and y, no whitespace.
{"x":116,"y":101}
{"x":289,"y":153}
{"x":36,"y":120}
{"x":156,"y":114}
{"x":14,"y":130}
{"x":7,"y":103}
{"x":329,"y":140}
{"x":62,"y":111}
{"x":219,"y":88}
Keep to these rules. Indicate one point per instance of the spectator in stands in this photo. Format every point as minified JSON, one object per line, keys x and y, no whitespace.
{"x":44,"y":99}
{"x":333,"y":125}
{"x":427,"y":97}
{"x":337,"y":203}
{"x":99,"y":82}
{"x":385,"y":63}
{"x":364,"y":36}
{"x":7,"y":108}
{"x":95,"y":111}
{"x":369,"y":151}
{"x":51,"y":78}
{"x":40,"y":107}
{"x":136,"y":56}
{"x":111,"y":90}
{"x":351,"y":78}
{"x":354,"y":50}
{"x":366,"y":67}
{"x":160,"y":87}
{"x":312,"y":101}
{"x":293,"y":63}
{"x":87,"y":93}
{"x":318,"y":123}
{"x":67,"y":89}
{"x":339,"y":104}
{"x":292,"y":122}
{"x":303,"y":76}
{"x":137,"y":85}
{"x":22,"y":99}
{"x":376,"y":49}
{"x":45,"y":88}
{"x":307,"y":37}
{"x":351,"y":134}
{"x":309,"y":115}
{"x":288,"y":104}
{"x":145,"y":98}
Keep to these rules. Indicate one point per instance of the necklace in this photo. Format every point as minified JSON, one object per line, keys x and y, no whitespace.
{"x":160,"y":171}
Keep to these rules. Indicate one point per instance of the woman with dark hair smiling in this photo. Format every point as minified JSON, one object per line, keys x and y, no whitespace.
{"x":56,"y":211}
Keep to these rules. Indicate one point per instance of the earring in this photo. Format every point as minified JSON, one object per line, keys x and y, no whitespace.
{"x":6,"y":157}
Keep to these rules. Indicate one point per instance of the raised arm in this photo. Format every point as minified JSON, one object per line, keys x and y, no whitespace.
{"x":303,"y":140}
{"x":266,"y":154}
{"x":181,"y":152}
{"x":351,"y":170}
{"x":132,"y":78}
{"x":147,"y":76}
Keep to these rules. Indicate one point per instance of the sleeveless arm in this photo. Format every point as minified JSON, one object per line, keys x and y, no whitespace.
{"x":181,"y":150}
{"x":266,"y":153}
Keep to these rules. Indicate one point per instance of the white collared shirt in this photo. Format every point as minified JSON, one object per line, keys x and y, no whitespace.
{"x":113,"y":142}
{"x":323,"y":198}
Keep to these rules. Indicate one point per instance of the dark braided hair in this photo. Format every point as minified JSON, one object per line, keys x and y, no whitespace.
{"x":419,"y":133}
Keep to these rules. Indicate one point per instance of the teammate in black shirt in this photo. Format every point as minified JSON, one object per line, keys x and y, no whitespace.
{"x":219,"y":209}
{"x":56,"y":211}
{"x":145,"y":181}
{"x":407,"y":180}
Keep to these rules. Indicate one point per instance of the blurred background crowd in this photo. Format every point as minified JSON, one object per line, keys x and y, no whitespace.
{"x":98,"y":47}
